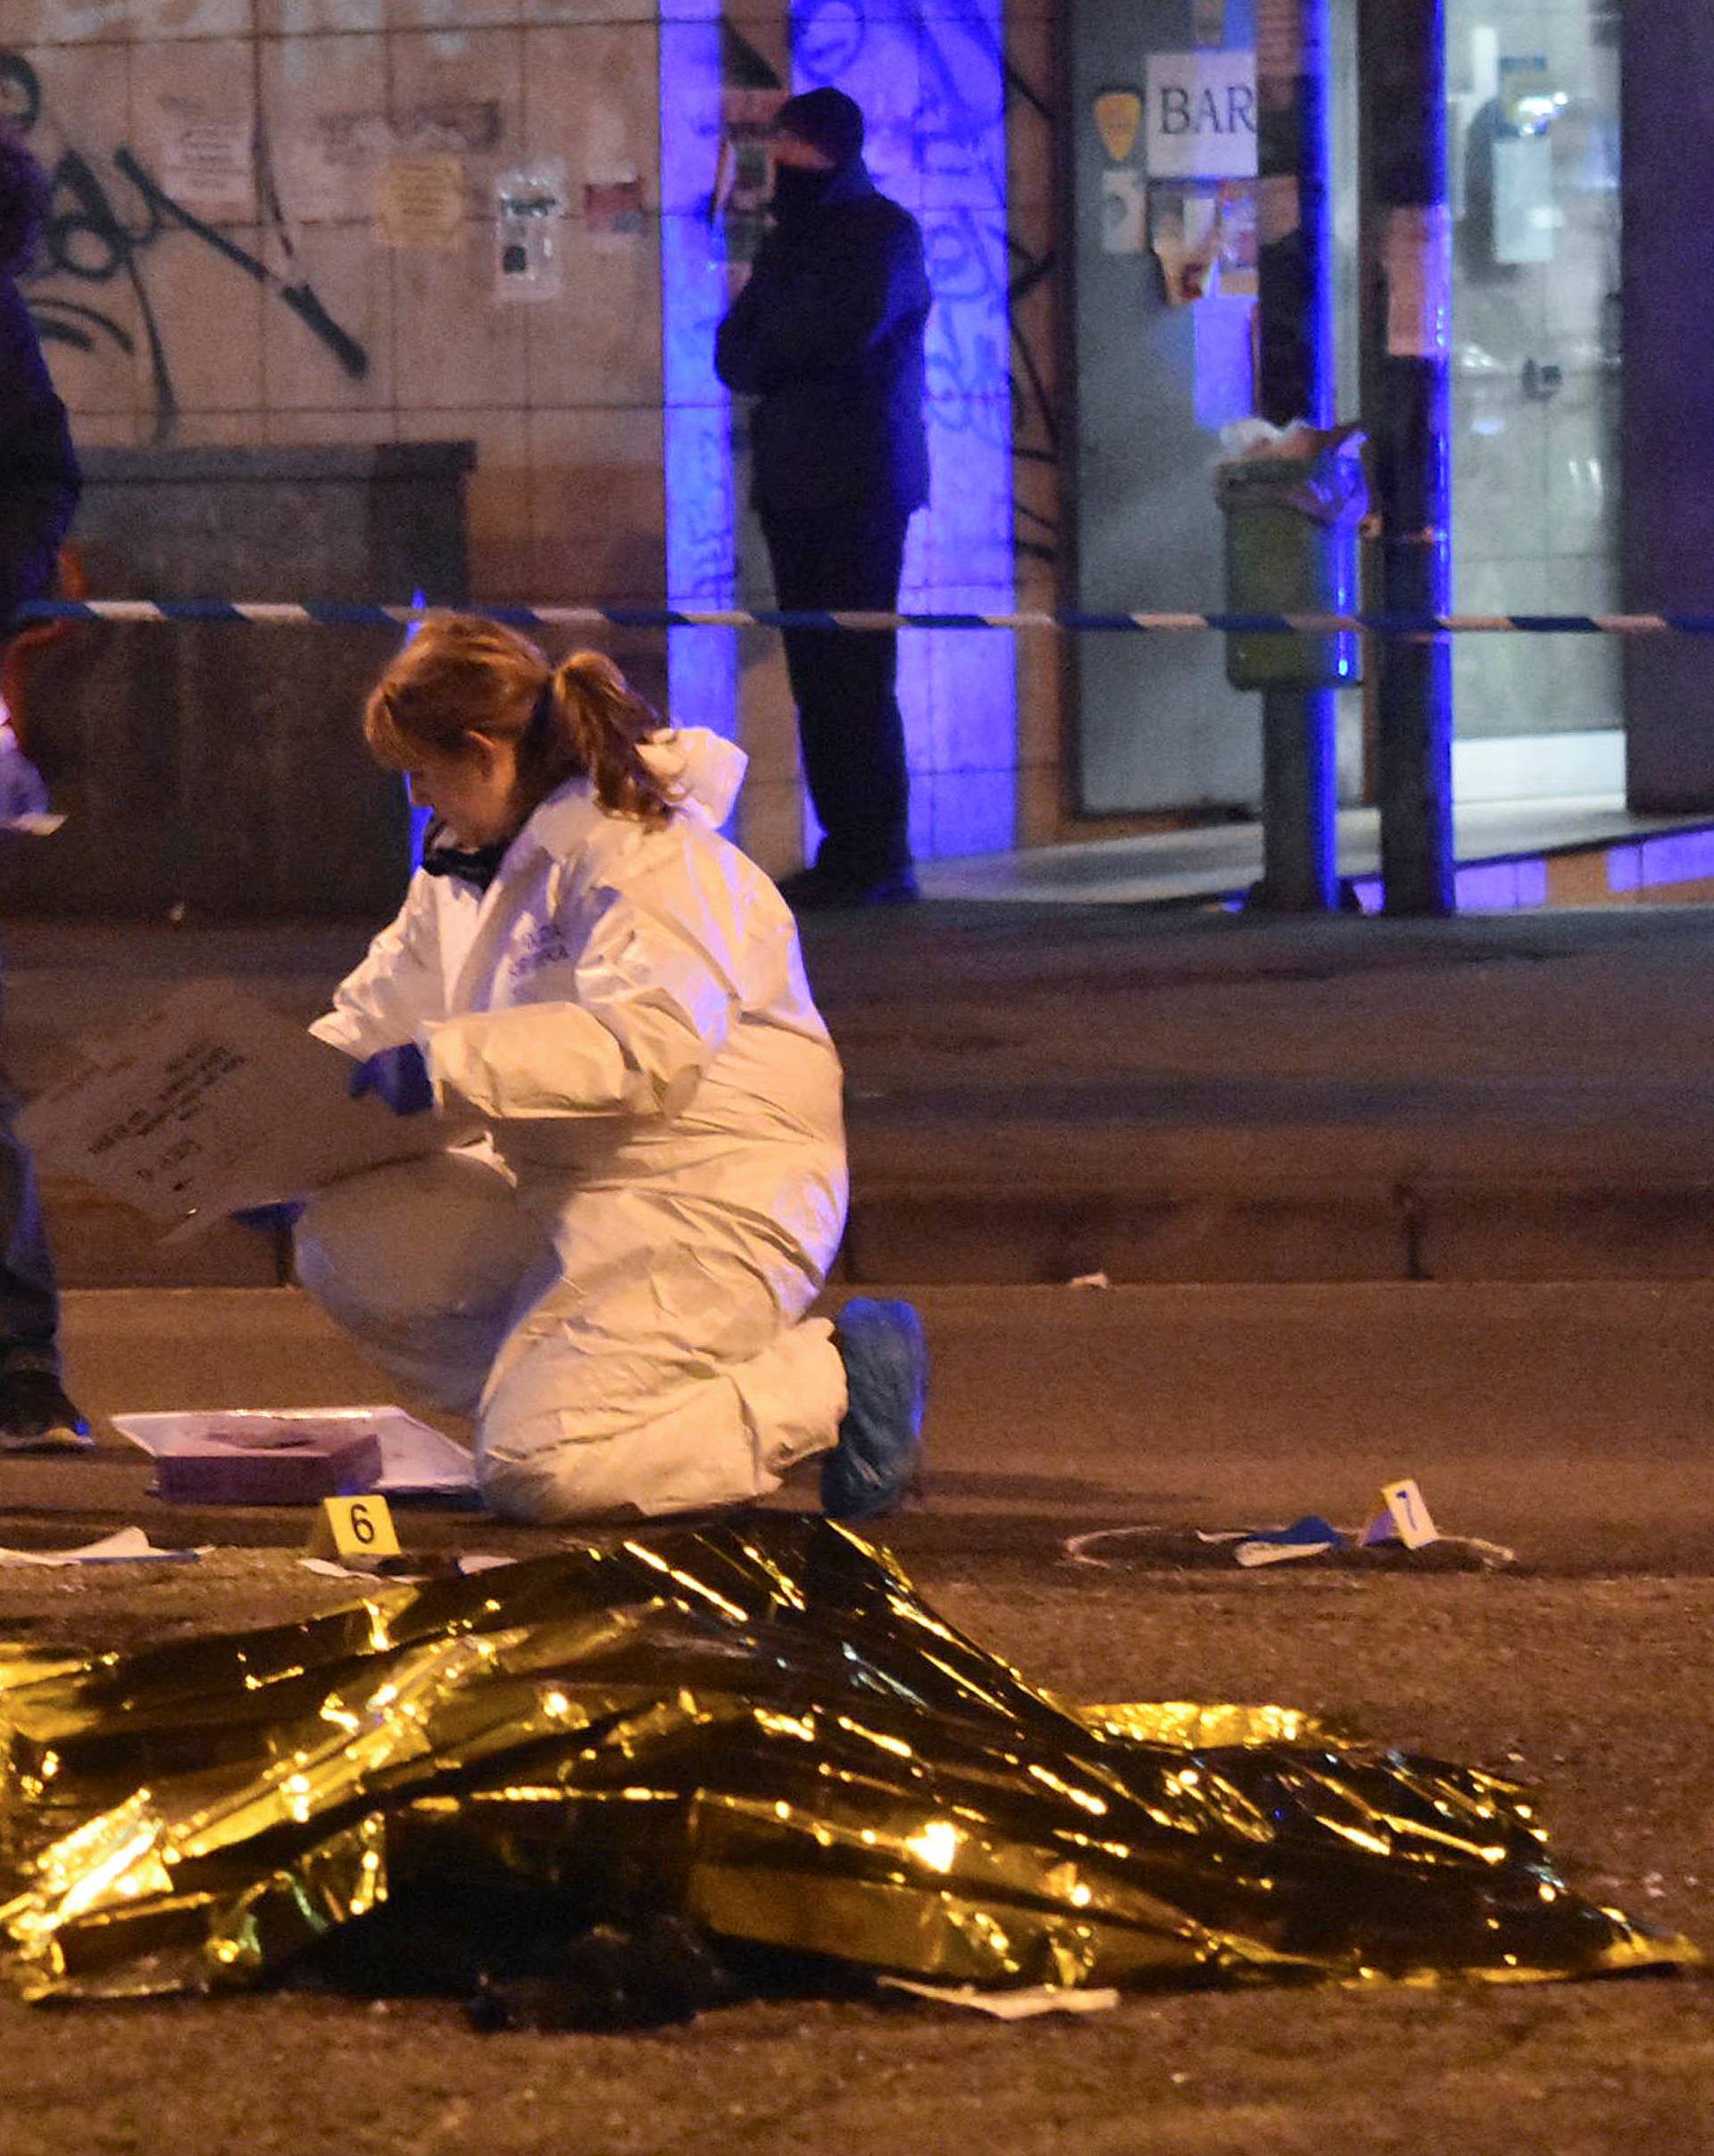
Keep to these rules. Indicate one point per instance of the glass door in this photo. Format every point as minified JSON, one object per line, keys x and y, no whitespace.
{"x":1534,"y":148}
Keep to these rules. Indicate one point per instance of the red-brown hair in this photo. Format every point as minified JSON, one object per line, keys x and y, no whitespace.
{"x":462,"y":675}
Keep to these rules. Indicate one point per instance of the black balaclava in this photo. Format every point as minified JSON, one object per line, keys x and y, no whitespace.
{"x":828,"y":122}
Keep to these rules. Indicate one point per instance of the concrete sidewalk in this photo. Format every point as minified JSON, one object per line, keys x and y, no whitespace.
{"x":1035,"y":1093}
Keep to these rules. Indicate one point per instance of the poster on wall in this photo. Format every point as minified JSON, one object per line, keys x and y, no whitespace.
{"x":1118,"y":121}
{"x":1204,"y":234}
{"x":1123,"y":219}
{"x":208,"y":164}
{"x":613,"y":213}
{"x":1416,"y":263}
{"x":744,"y":180}
{"x":330,"y":168}
{"x":1202,"y":116}
{"x":421,"y":202}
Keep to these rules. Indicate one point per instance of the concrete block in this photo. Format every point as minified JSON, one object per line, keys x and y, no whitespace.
{"x":1045,"y":1236}
{"x":1548,"y":1234}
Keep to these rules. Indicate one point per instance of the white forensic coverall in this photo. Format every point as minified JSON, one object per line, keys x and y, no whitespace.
{"x":615,"y":1282}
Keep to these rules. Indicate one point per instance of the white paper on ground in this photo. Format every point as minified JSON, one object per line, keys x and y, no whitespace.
{"x":215,"y":1102}
{"x":473,"y":1560}
{"x":1251,"y":1554}
{"x":126,"y":1545}
{"x":1008,"y":2006}
{"x":417,"y":1460}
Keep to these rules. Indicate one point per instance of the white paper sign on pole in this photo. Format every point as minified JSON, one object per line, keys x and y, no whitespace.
{"x":1201,"y":122}
{"x":214,"y":1102}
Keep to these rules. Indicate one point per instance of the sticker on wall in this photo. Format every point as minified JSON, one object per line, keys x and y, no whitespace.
{"x":1124,"y":212}
{"x":1202,"y":116}
{"x":1118,"y":119}
{"x":330,"y":168}
{"x":1279,"y":208}
{"x":1416,"y":262}
{"x":744,"y":177}
{"x":1184,"y":236}
{"x":209,"y":165}
{"x":612,"y":214}
{"x":1287,"y":38}
{"x":1205,"y":237}
{"x":420,"y":202}
{"x":529,"y":204}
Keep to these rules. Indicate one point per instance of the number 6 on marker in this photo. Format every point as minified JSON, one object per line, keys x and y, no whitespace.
{"x":354,"y":1528}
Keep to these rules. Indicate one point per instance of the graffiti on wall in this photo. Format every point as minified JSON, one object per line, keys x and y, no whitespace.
{"x":101,"y":228}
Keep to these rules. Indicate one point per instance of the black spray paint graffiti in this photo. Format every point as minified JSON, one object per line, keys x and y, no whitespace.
{"x":90,"y":242}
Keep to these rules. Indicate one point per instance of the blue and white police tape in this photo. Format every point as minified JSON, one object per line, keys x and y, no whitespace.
{"x":339,"y":613}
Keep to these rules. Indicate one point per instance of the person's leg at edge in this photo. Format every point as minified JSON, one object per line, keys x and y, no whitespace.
{"x":35,"y":1413}
{"x":845,"y":685}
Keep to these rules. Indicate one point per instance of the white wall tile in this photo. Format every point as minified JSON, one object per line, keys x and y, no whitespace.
{"x":324,"y":101}
{"x":453,"y":342}
{"x":598,"y":505}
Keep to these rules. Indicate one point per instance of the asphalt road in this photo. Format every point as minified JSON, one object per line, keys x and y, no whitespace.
{"x":1569,"y":1422}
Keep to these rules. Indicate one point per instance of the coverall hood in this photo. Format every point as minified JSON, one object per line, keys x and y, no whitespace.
{"x":704,"y":769}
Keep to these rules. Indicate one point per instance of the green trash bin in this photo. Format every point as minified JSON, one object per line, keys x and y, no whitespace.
{"x":1293,"y":500}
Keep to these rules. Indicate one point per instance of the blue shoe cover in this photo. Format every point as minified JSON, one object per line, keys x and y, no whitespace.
{"x":880,"y":1439}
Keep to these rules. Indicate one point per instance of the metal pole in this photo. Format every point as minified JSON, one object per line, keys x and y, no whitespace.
{"x":1294,"y":335}
{"x":1402,"y":74}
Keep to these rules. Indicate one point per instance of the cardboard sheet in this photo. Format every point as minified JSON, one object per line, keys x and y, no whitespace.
{"x":215,"y":1102}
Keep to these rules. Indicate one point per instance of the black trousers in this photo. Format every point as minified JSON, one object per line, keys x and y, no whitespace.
{"x":845,"y":682}
{"x":29,"y":1296}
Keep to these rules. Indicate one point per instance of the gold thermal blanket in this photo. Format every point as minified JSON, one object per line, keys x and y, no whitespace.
{"x":758,"y":1728}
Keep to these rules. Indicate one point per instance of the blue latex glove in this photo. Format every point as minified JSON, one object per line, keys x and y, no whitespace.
{"x":398,"y":1076}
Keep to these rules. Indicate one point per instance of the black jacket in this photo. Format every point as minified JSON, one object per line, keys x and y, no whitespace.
{"x":828,"y":335}
{"x":38,"y":473}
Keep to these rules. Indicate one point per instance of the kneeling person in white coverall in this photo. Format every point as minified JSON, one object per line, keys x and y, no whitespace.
{"x":615,"y":1281}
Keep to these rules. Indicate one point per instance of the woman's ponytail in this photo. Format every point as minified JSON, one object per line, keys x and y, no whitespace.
{"x":605,"y":724}
{"x":462,"y":675}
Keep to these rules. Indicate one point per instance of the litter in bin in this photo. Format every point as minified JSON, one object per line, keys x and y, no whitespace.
{"x":1292,"y":500}
{"x":1316,"y":470}
{"x":757,"y":1737}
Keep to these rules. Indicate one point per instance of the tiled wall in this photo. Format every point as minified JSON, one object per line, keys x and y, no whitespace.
{"x":562,"y":400}
{"x":282,"y":318}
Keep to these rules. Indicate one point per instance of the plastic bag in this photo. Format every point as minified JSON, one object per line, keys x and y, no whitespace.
{"x":1316,"y":470}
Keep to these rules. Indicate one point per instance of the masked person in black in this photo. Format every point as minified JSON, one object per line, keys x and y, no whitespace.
{"x":38,"y":492}
{"x":827,"y":335}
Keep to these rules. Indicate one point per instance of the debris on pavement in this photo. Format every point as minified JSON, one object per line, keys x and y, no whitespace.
{"x":125,"y":1547}
{"x":1402,"y":1530}
{"x":1012,"y":2005}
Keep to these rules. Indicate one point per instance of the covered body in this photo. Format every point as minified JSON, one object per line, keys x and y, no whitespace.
{"x":759,"y":1728}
